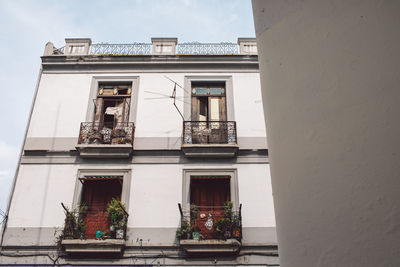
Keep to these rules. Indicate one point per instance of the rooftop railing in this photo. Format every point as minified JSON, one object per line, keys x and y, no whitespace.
{"x":194,"y":48}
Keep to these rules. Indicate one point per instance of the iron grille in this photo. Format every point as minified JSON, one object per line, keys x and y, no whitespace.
{"x":212,"y":222}
{"x":120,"y":49}
{"x":98,"y":133}
{"x":208,"y":48}
{"x":209,"y":132}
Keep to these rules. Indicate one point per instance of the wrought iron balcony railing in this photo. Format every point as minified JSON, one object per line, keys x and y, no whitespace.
{"x":209,"y":132}
{"x":93,"y":222}
{"x":210,"y":222}
{"x":98,"y":133}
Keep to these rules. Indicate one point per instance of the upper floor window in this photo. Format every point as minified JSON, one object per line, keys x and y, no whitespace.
{"x":208,"y":101}
{"x":113,"y":104}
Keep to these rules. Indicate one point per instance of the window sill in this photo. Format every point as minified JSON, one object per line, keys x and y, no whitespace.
{"x":109,"y":246}
{"x":104,"y":150}
{"x":210,"y":150}
{"x":210,"y":246}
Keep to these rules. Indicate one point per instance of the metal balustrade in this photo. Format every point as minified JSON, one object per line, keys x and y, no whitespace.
{"x":209,"y":132}
{"x":98,"y":133}
{"x":193,"y":48}
{"x":211,"y":222}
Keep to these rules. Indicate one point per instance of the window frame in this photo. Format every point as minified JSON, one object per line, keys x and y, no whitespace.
{"x":234,"y":186}
{"x":187,"y":107}
{"x":126,"y":183}
{"x":94,"y":88}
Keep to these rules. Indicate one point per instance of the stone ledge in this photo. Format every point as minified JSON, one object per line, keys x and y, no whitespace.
{"x":104,"y":150}
{"x":211,"y":246}
{"x":115,"y":246}
{"x":210,"y":150}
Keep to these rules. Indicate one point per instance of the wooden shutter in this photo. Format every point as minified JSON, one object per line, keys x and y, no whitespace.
{"x":195,"y":109}
{"x":126,"y":109}
{"x":98,"y":116}
{"x":222,"y":108}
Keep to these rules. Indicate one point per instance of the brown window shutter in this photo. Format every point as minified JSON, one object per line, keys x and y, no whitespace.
{"x":98,"y":118}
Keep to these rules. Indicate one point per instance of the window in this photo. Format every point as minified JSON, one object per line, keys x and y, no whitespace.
{"x":208,"y":101}
{"x":209,"y":193}
{"x":76,"y":49}
{"x":111,"y":115}
{"x":209,"y":189}
{"x":113,"y":104}
{"x":96,"y":188}
{"x":97,"y":192}
{"x":209,"y":113}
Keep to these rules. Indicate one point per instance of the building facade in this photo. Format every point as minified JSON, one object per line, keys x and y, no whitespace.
{"x":144,"y":154}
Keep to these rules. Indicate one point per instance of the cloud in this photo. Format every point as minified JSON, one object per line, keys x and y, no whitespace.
{"x":8,"y":162}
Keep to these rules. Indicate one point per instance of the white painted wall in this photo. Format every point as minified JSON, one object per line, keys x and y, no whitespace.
{"x":38,"y":194}
{"x":156,"y":190}
{"x":330,"y":81}
{"x":62,"y":101}
{"x":60,"y":106}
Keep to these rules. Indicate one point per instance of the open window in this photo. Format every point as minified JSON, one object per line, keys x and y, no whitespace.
{"x":208,"y":113}
{"x":102,"y":233}
{"x":113,"y":104}
{"x":97,"y":193}
{"x":209,"y":194}
{"x":208,"y":101}
{"x":210,"y":211}
{"x":110,"y":124}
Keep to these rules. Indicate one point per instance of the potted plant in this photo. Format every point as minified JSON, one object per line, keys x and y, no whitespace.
{"x":229,"y":225}
{"x":117,"y":135}
{"x":185,"y":231}
{"x":223,"y":228}
{"x":117,"y":217}
{"x":95,"y":137}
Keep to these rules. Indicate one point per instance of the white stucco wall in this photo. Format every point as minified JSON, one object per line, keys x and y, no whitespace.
{"x":60,"y":105}
{"x":156,"y":190}
{"x":330,"y":79}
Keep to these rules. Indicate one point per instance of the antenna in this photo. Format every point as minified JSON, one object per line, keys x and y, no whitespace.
{"x":173,"y":95}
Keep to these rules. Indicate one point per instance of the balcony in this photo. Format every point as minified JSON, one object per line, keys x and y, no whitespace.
{"x":93,"y":230}
{"x":99,"y":140}
{"x":209,"y":230}
{"x":209,"y":139}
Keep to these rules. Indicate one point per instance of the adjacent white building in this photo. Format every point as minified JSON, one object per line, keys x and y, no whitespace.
{"x":159,"y":127}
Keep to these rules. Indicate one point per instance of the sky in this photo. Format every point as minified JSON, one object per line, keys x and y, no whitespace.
{"x":26,"y":26}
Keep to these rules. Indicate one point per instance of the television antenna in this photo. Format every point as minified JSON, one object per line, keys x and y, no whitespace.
{"x":172,"y":96}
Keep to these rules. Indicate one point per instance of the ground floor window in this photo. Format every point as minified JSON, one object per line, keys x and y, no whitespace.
{"x":97,"y":193}
{"x":98,"y":190}
{"x":207,"y":193}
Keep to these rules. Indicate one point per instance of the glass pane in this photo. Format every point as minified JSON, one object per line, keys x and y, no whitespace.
{"x":201,"y":91}
{"x":214,"y":102}
{"x":216,"y":91}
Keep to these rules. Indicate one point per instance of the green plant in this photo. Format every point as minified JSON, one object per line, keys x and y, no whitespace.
{"x":228,"y":209}
{"x":74,"y":226}
{"x":194,"y":210}
{"x":223,"y":228}
{"x":80,"y":219}
{"x":185,"y":231}
{"x":116,"y":214}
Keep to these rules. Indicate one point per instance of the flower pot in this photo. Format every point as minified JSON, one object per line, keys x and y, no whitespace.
{"x":236,"y":232}
{"x":112,"y":228}
{"x":119,"y":234}
{"x":196,"y":235}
